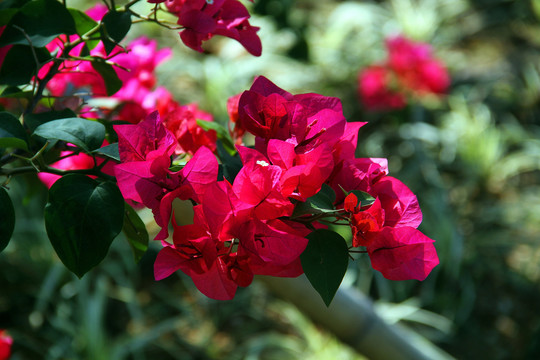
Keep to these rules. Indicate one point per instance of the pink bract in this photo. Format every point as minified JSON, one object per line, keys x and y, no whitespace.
{"x":403,"y":253}
{"x":203,"y":19}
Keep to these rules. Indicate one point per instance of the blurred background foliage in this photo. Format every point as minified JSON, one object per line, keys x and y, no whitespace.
{"x":473,"y":159}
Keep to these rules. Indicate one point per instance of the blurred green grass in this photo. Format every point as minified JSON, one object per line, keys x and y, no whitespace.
{"x":473,"y":159}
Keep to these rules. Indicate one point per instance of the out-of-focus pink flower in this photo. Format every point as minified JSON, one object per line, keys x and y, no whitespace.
{"x":202,"y":19}
{"x":5,"y":345}
{"x":375,"y":88}
{"x":97,"y":12}
{"x":410,"y":70}
{"x":136,"y":70}
{"x":74,"y":162}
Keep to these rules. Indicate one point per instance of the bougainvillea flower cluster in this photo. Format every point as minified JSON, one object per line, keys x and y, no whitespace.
{"x":202,"y":19}
{"x":409,"y":70}
{"x":246,"y":225}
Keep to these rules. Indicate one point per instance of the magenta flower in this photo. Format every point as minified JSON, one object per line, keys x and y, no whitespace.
{"x":203,"y":19}
{"x":144,"y":175}
{"x":181,"y":120}
{"x":306,"y":120}
{"x":374,"y":85}
{"x":403,"y":253}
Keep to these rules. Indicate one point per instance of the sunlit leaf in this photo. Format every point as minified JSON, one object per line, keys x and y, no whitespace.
{"x":83,"y":24}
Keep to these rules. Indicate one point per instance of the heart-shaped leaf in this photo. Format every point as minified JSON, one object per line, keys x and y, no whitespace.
{"x":82,"y":218}
{"x":325,"y":262}
{"x":116,"y":25}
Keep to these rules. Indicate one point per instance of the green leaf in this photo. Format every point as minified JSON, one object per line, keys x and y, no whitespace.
{"x":82,"y":218}
{"x":325,"y":262}
{"x":39,"y":22}
{"x":112,"y":82}
{"x":7,"y":214}
{"x":12,"y":4}
{"x":221,"y":132}
{"x":6,"y":15}
{"x":20,"y":65}
{"x":116,"y":25}
{"x":12,"y":133}
{"x":320,"y":203}
{"x":16,"y":93}
{"x":135,"y":232}
{"x":364,"y":199}
{"x":230,"y":165}
{"x":32,"y":121}
{"x":110,"y":151}
{"x":85,"y":134}
{"x":83,"y":24}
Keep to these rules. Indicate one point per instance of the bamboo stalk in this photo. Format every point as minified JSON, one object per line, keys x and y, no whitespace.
{"x":350,"y":317}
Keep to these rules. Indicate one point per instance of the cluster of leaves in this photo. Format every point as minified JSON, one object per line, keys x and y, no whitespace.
{"x":79,"y":226}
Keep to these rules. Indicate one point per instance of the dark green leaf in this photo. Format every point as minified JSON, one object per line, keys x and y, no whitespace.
{"x":12,"y":133}
{"x":82,"y":218}
{"x":7,"y":214}
{"x":221,"y":132}
{"x":364,"y":199}
{"x":20,"y":65}
{"x":32,"y":121}
{"x":12,"y":4}
{"x":325,"y":262}
{"x":16,"y":93}
{"x":6,"y":15}
{"x":83,"y":24}
{"x":230,"y":165}
{"x":85,"y":134}
{"x":39,"y":22}
{"x":320,"y":203}
{"x":110,"y":151}
{"x":116,"y":25}
{"x":112,"y":82}
{"x":135,"y":232}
